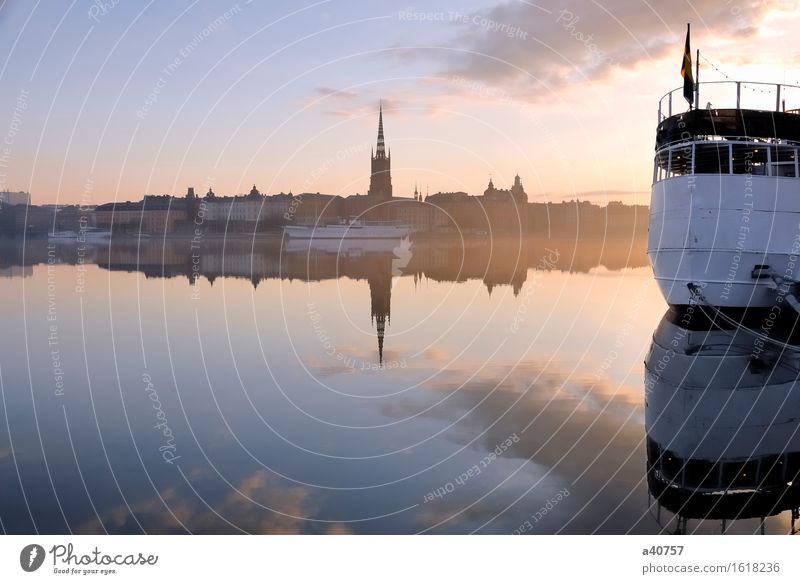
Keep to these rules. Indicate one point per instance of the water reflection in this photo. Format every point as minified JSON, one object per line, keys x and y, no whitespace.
{"x":522,"y":359}
{"x":723,"y":423}
{"x":496,"y":261}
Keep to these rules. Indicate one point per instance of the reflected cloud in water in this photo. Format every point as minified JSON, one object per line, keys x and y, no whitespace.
{"x":259,"y":504}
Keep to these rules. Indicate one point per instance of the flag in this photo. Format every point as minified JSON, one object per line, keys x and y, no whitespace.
{"x":686,"y":70}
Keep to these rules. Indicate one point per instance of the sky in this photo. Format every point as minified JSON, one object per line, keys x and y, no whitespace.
{"x":104,"y":100}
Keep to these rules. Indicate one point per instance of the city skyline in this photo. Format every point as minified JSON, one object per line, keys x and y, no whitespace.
{"x":380,"y":184}
{"x":108,"y":101}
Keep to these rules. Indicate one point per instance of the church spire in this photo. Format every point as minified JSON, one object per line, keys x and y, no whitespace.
{"x":380,"y":182}
{"x":381,"y":151}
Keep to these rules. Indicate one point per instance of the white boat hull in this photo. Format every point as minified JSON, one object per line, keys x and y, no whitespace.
{"x":79,"y":237}
{"x":345,"y":246}
{"x":705,"y":401}
{"x":348,"y":231}
{"x":712,"y":231}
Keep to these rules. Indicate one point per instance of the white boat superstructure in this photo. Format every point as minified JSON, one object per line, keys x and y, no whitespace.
{"x":352,"y":229}
{"x":345,"y":246}
{"x":725,"y":204}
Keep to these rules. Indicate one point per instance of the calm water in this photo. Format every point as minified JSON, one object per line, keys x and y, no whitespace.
{"x":442,"y":387}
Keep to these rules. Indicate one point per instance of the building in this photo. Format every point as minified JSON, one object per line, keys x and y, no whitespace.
{"x":277,"y":208}
{"x":515,"y":193}
{"x":230,"y":213}
{"x":413,"y":211}
{"x":506,"y":210}
{"x":15,"y":198}
{"x":380,"y":181}
{"x":158,"y":214}
{"x":246,"y":209}
{"x":317,"y":209}
{"x":497,"y":211}
{"x":31,"y":219}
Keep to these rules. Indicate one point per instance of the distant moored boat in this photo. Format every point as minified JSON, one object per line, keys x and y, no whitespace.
{"x":353,"y":229}
{"x":88,"y":235}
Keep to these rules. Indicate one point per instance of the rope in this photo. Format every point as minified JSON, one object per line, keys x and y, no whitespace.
{"x":717,"y":69}
{"x":695,"y":290}
{"x":729,"y":78}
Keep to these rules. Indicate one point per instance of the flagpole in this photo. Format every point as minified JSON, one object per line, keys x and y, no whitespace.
{"x":697,"y":82}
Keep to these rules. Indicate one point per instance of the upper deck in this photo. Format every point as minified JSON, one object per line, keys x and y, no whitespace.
{"x":745,"y":128}
{"x":739,"y":110}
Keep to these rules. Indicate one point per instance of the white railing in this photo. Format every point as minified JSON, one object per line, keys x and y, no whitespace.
{"x":753,"y":95}
{"x":727,"y":157}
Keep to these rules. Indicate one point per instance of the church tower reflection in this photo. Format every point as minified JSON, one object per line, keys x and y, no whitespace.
{"x":722,"y":406}
{"x":380,"y":292}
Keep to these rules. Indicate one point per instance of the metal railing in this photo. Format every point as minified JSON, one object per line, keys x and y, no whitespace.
{"x":728,"y":157}
{"x":754,"y":95}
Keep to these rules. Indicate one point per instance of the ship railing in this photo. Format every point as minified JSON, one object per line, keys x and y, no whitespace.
{"x":757,"y":141}
{"x":751,"y":474}
{"x":374,"y":222}
{"x":752,"y":95}
{"x":727,"y":157}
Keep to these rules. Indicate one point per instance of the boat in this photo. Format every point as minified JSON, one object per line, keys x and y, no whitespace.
{"x":350,"y":229}
{"x":721,"y":417}
{"x":343,"y":247}
{"x":87,"y":235}
{"x":724,"y":226}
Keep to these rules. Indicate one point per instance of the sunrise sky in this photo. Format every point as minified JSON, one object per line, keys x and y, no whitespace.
{"x":114,"y":99}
